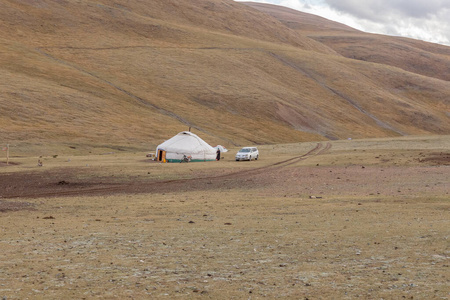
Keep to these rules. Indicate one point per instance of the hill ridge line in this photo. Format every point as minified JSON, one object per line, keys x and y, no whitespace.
{"x":131,"y":75}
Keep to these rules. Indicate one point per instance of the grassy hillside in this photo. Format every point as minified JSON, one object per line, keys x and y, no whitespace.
{"x":415,"y":56}
{"x":109,"y":74}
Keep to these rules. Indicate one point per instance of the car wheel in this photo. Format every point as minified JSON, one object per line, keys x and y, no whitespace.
{"x":256,"y":157}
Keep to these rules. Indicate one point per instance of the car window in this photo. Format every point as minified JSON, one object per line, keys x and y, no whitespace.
{"x":244,"y":150}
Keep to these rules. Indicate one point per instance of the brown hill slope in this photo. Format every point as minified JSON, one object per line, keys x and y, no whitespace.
{"x":134,"y":74}
{"x":300,"y":21}
{"x":415,"y":56}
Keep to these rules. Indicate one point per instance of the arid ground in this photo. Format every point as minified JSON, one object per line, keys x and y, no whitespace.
{"x":346,"y":219}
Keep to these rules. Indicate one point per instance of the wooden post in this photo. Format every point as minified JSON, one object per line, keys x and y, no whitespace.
{"x":7,"y":153}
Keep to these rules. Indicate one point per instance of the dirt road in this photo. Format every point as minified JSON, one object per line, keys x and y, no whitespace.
{"x":313,"y":221}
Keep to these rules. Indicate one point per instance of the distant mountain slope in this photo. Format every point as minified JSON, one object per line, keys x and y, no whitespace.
{"x":415,"y":56}
{"x":432,"y":60}
{"x":137,"y":72}
{"x":298,"y":20}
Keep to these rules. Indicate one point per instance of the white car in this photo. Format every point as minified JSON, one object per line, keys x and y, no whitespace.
{"x":247,"y":153}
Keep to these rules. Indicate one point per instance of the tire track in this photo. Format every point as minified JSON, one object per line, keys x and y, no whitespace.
{"x":174,"y":184}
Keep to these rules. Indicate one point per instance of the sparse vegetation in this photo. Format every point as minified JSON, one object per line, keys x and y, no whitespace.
{"x":131,"y":75}
{"x":303,"y":221}
{"x":102,"y":83}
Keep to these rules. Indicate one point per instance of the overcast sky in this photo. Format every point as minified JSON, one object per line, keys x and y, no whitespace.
{"x":427,"y":20}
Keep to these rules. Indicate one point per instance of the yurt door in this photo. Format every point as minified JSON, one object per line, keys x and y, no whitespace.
{"x":162,"y":155}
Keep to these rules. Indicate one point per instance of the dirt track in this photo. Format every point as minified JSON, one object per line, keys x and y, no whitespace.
{"x":61,"y":182}
{"x":321,"y":224}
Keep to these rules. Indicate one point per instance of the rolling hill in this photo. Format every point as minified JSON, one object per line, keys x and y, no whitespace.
{"x":112,"y":74}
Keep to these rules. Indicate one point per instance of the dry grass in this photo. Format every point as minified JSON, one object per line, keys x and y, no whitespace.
{"x":431,"y":60}
{"x":316,"y":229}
{"x":133,"y":75}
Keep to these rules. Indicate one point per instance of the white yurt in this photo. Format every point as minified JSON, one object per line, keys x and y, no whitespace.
{"x":185,"y":144}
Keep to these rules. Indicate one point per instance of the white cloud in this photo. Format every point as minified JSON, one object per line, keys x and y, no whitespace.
{"x":419,"y":19}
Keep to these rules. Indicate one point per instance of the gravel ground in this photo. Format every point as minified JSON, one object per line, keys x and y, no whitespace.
{"x":317,"y":225}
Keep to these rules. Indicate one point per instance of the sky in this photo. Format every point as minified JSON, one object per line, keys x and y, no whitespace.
{"x":427,"y":20}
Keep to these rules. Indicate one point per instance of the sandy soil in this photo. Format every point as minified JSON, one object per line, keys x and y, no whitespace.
{"x":309,"y":221}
